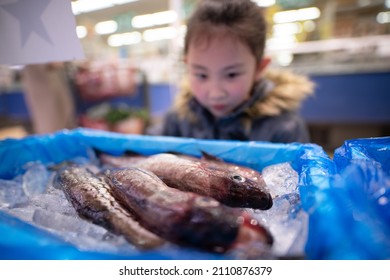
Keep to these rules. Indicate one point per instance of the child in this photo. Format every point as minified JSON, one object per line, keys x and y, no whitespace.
{"x":228,"y":94}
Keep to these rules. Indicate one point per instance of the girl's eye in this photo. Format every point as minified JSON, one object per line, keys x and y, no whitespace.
{"x":201,"y":76}
{"x":232,"y":75}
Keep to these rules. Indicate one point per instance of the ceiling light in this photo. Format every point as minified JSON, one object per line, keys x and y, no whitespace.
{"x":81,"y":31}
{"x":86,"y":6}
{"x":157,"y":34}
{"x":106,"y":27}
{"x":120,"y":2}
{"x":383,"y":17}
{"x":297,"y":15}
{"x":129,"y":38}
{"x":264,"y":3}
{"x":284,"y":29}
{"x":160,"y":18}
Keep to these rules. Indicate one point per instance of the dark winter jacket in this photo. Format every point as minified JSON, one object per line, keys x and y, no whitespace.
{"x":269,"y":115}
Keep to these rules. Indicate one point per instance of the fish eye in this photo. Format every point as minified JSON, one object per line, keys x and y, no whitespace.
{"x":238,"y":178}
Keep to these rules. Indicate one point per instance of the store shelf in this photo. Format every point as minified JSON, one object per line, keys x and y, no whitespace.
{"x":368,"y":54}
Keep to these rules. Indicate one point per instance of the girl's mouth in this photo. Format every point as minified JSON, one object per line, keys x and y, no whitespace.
{"x":218,"y":107}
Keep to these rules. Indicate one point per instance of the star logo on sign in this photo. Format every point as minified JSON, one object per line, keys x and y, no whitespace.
{"x":29,"y":14}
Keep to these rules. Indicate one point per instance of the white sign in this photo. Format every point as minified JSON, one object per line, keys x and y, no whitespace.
{"x":38,"y":31}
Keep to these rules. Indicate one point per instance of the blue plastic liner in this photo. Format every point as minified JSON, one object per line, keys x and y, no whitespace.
{"x":365,"y":150}
{"x":351,"y":218}
{"x":348,"y":218}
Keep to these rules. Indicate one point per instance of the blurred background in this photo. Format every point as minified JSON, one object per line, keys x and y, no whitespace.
{"x":133,"y":66}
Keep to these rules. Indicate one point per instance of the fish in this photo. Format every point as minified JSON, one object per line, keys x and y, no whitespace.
{"x":217,"y":162}
{"x":184,"y":218}
{"x":91,"y":196}
{"x":202,"y":177}
{"x":212,"y":160}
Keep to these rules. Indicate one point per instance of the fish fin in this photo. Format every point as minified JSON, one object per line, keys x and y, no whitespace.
{"x":131,"y":153}
{"x":183,"y":155}
{"x":61,"y":165}
{"x":176,"y":153}
{"x":211,"y":157}
{"x":99,"y":152}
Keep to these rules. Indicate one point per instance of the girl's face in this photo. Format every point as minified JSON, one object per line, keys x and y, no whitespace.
{"x":222,"y":72}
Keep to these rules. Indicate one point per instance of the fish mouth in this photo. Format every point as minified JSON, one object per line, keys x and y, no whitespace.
{"x":263,"y":202}
{"x":269,"y":202}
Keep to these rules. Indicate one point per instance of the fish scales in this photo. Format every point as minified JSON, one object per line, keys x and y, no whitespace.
{"x":198,"y":176}
{"x":181,"y":217}
{"x":91,"y":197}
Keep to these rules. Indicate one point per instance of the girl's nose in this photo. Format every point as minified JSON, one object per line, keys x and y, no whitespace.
{"x":216,"y":91}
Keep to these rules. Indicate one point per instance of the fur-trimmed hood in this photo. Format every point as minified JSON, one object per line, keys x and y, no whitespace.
{"x":285,"y":91}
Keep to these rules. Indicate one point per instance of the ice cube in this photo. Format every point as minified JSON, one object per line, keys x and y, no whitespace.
{"x":280,"y":178}
{"x":287,"y":222}
{"x":24,"y":213}
{"x":35,"y":179}
{"x":52,"y":202}
{"x":11,"y":193}
{"x":81,"y":233}
{"x":57,"y":221}
{"x":67,"y":224}
{"x":115,"y":245}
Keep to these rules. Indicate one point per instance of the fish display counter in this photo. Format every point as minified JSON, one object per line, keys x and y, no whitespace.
{"x":320,"y":209}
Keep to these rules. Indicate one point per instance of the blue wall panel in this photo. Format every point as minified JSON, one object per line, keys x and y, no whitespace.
{"x":349,"y":98}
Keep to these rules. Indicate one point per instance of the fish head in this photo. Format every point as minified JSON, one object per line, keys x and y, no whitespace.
{"x":66,"y":173}
{"x":244,"y":192}
{"x":210,"y":224}
{"x":254,"y":240}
